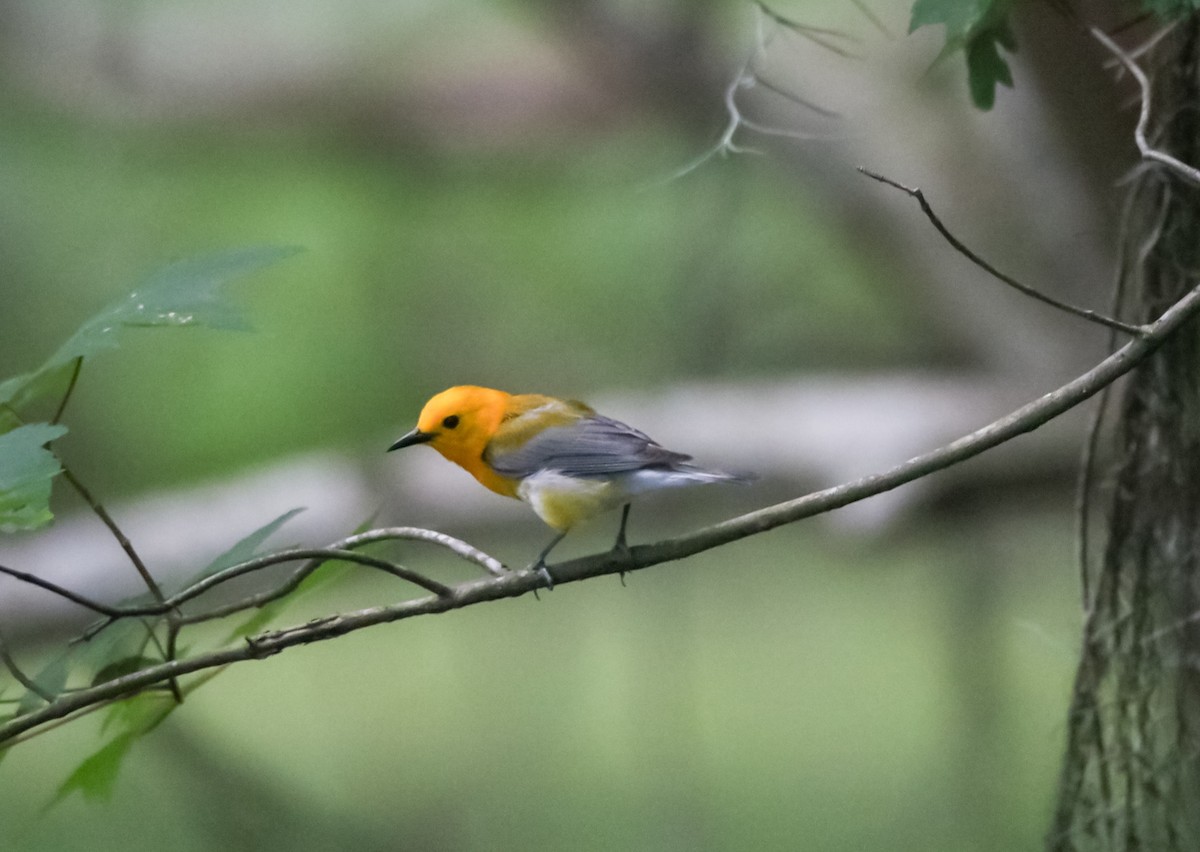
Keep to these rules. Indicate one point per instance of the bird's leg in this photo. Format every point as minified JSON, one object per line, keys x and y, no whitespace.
{"x":539,"y":567}
{"x":620,"y":546}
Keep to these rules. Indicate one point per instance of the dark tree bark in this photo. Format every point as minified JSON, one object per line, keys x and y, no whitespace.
{"x":1133,"y":755}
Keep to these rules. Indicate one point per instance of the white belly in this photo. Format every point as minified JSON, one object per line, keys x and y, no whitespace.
{"x":563,"y":501}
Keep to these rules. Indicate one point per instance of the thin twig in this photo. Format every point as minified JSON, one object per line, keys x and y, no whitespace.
{"x":747,"y":78}
{"x":62,"y":405}
{"x":820,"y":36}
{"x":75,"y":597}
{"x":22,"y":678}
{"x":873,"y":18}
{"x":517,"y":583}
{"x":1148,"y":152}
{"x":794,"y":24}
{"x":794,"y":98}
{"x":170,"y":652}
{"x":1152,"y":42}
{"x":958,"y":246}
{"x":307,"y":553}
{"x":456,"y":546}
{"x":725,"y":144}
{"x":339,"y":550}
{"x":122,"y":540}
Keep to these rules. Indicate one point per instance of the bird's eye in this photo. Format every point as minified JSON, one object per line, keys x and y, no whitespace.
{"x":451,"y":421}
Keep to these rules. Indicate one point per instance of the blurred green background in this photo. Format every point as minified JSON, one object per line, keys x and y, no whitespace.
{"x":484,"y":192}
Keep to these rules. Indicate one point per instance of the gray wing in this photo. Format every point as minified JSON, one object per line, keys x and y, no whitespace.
{"x":594,"y":446}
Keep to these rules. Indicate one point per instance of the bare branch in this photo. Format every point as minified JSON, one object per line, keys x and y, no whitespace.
{"x":516,"y":583}
{"x":460,"y":548}
{"x":794,"y":98}
{"x":339,"y":550}
{"x":1148,"y":152}
{"x":122,"y":540}
{"x":747,"y":78}
{"x":75,"y":597}
{"x":820,"y":36}
{"x":958,"y":246}
{"x":872,"y":17}
{"x":318,"y":555}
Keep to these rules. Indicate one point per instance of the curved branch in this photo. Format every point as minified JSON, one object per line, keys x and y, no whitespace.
{"x":315,"y":555}
{"x":1148,"y":152}
{"x":338,"y":550}
{"x":15,"y":670}
{"x":461,"y":548}
{"x":81,"y":600}
{"x":516,"y":583}
{"x":962,"y":249}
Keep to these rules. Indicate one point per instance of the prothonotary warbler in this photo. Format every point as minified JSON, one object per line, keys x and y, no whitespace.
{"x":559,"y":456}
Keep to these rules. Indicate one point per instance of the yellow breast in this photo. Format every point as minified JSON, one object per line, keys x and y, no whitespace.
{"x":563,"y":501}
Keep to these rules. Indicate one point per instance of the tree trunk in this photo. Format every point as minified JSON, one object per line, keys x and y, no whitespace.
{"x":1131,"y":771}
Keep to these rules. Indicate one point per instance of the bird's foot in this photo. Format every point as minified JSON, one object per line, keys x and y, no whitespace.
{"x":540,"y":569}
{"x":621,"y":552}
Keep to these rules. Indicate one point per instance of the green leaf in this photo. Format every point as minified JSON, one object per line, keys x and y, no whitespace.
{"x":187,"y":293}
{"x":26,"y":471}
{"x":51,"y":680}
{"x":130,"y":719}
{"x":986,"y":68}
{"x":1169,"y":10}
{"x":126,"y":638}
{"x":95,"y":777}
{"x":979,"y":28}
{"x":959,"y":16}
{"x":245,"y":549}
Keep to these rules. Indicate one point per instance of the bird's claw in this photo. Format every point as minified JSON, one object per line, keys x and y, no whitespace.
{"x":621,"y":552}
{"x":542,"y":572}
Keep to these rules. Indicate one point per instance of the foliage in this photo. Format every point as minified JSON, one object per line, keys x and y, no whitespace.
{"x":1169,"y":9}
{"x":980,"y":28}
{"x":124,"y":723}
{"x":188,"y":293}
{"x":26,"y":471}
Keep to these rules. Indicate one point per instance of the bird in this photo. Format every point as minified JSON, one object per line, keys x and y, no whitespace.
{"x":560,"y":456}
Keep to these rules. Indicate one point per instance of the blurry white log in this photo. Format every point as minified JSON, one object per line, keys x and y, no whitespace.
{"x":797,"y":435}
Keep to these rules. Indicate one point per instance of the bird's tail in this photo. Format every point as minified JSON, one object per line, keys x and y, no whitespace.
{"x":704,"y":474}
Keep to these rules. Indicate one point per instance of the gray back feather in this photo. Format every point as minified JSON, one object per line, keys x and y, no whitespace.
{"x":594,"y":446}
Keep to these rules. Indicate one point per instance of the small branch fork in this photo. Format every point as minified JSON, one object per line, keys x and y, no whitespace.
{"x":508,"y":584}
{"x":748,"y":77}
{"x":1148,"y":152}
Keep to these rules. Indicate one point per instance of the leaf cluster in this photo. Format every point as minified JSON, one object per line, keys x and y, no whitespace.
{"x":189,"y":293}
{"x":982,"y":30}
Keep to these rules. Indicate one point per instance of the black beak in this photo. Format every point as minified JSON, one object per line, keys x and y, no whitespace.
{"x":416,"y":436}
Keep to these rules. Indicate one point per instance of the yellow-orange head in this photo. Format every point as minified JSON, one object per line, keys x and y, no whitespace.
{"x":458,"y":423}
